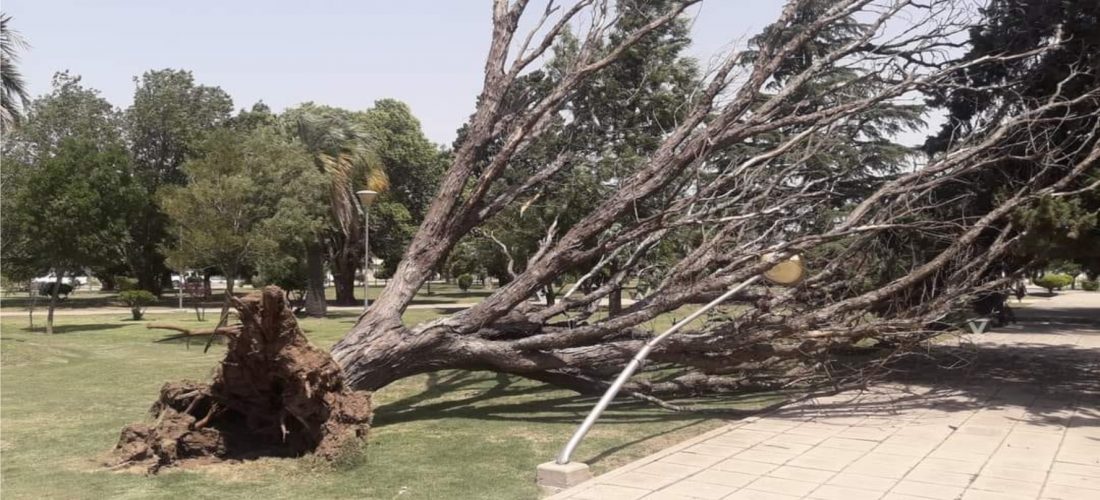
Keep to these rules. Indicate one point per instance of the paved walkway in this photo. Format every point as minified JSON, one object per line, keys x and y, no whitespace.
{"x":1024,"y":425}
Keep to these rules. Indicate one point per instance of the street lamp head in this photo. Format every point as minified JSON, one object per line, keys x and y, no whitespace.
{"x":786,"y":272}
{"x":366,"y":197}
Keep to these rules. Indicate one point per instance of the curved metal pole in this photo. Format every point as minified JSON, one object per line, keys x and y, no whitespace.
{"x":578,"y":436}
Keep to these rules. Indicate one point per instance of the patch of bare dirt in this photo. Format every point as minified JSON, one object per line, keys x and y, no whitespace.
{"x":274,"y":394}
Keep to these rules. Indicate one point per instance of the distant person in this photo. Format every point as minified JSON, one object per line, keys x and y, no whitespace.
{"x":1021,"y":291}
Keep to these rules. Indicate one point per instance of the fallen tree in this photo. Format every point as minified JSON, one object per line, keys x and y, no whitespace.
{"x":756,"y":166}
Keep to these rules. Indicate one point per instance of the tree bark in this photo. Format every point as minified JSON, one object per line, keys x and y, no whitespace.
{"x":316,"y":305}
{"x":615,"y":302}
{"x":53,"y":301}
{"x":343,"y":279}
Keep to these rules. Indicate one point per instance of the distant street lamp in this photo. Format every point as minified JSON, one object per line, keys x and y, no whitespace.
{"x":366,"y":197}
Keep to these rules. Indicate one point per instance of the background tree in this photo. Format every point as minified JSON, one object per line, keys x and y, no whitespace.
{"x":67,"y":210}
{"x":1052,"y":227}
{"x":169,"y":115}
{"x":344,"y":152}
{"x":242,"y":183}
{"x":13,"y":90}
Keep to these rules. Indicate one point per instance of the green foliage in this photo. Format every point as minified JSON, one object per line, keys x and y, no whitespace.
{"x":14,"y":97}
{"x":1054,"y":281}
{"x":165,"y":126}
{"x":1090,"y":285}
{"x":125,"y":283}
{"x":465,"y":281}
{"x":137,"y":300}
{"x":247,"y":196}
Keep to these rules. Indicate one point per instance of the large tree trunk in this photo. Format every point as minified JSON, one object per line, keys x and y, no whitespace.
{"x":316,"y":304}
{"x":230,"y":282}
{"x":343,"y":278}
{"x":53,"y":301}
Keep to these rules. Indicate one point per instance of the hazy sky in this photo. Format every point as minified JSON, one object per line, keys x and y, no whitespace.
{"x":345,"y":53}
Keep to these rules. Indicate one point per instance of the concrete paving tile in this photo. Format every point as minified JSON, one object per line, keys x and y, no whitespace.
{"x":1078,"y":469}
{"x":905,"y":449}
{"x":783,"y":486}
{"x":960,"y":456}
{"x":1076,"y":481}
{"x":883,"y":465}
{"x":637,"y":479}
{"x":691,"y":459}
{"x":770,"y":424}
{"x":610,"y":492}
{"x":1021,"y":460}
{"x":787,"y":438}
{"x":863,"y":482}
{"x":724,"y":477}
{"x":833,"y":492}
{"x":1077,"y":458}
{"x":901,"y":496}
{"x":973,"y":494}
{"x":714,"y":450}
{"x":768,"y":457}
{"x":848,"y":444}
{"x":867,"y":433}
{"x":1002,"y":485}
{"x":1028,"y":475}
{"x":802,"y":474}
{"x":667,"y":469}
{"x":744,"y":466}
{"x":927,"y":490}
{"x":772,"y":446}
{"x":746,"y":494}
{"x":661,"y":495}
{"x":699,"y":489}
{"x":926,"y":475}
{"x":1062,"y":492}
{"x":742,"y":437}
{"x":817,"y":429}
{"x":948,"y":465}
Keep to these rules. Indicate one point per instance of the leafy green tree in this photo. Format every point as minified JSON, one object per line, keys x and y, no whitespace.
{"x":164,"y":126}
{"x":67,"y":211}
{"x":13,"y":89}
{"x":345,"y":153}
{"x":241,"y":190}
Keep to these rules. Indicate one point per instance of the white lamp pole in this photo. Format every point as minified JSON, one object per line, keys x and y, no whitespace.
{"x":366,"y":197}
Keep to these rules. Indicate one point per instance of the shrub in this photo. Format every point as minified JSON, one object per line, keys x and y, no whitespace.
{"x":122,"y":284}
{"x":1090,"y":285}
{"x":1054,"y":281}
{"x":46,"y":289}
{"x":137,"y":300}
{"x":465,"y":281}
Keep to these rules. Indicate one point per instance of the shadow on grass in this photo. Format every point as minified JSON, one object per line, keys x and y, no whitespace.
{"x":512,"y":398}
{"x":79,"y":328}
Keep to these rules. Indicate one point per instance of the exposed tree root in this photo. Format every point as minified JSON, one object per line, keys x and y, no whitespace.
{"x":273,"y":395}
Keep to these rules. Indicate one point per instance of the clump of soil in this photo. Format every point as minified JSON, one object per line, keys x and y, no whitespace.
{"x":274,"y":394}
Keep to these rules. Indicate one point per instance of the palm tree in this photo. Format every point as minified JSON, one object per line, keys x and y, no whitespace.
{"x":13,"y":96}
{"x":345,"y":152}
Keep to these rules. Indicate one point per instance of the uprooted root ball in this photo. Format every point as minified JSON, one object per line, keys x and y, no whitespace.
{"x":274,"y":394}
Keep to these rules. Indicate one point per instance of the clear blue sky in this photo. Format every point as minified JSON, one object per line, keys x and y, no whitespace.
{"x":345,"y":53}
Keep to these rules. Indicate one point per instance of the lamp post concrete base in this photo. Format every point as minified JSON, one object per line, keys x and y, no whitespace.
{"x":553,"y":477}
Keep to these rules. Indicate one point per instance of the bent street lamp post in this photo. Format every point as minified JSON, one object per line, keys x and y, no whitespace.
{"x":366,"y":197}
{"x":562,"y":473}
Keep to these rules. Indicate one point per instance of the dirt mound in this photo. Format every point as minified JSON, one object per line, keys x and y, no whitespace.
{"x":274,"y":394}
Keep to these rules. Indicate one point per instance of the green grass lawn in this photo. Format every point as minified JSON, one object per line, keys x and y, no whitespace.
{"x":64,"y":398}
{"x":442,"y":293}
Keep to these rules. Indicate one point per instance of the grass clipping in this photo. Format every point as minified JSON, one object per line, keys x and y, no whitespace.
{"x":274,"y":394}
